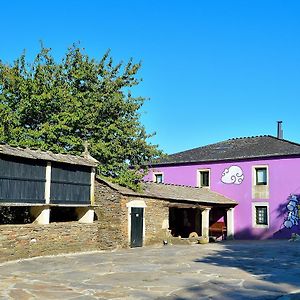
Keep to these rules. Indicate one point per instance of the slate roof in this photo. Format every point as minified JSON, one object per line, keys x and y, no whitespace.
{"x":47,"y":156}
{"x":265,"y":146}
{"x":173,"y":192}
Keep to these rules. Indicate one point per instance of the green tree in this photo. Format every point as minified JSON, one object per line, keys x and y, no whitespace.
{"x":59,"y":106}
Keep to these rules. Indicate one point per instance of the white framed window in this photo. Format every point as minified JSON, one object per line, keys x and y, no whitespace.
{"x":158,"y":177}
{"x":203,"y":178}
{"x":260,"y":215}
{"x":260,"y":182}
{"x":261,"y":176}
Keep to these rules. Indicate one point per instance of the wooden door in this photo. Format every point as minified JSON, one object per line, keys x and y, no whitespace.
{"x":137,"y":215}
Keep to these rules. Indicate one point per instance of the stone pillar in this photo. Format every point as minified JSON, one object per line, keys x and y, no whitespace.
{"x":92,"y":191}
{"x":205,"y":222}
{"x":85,"y":215}
{"x":48,"y":183}
{"x":230,"y":223}
{"x":41,"y":214}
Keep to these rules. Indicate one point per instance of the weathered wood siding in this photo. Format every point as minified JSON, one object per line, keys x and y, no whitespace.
{"x":21,"y":180}
{"x":70,"y":184}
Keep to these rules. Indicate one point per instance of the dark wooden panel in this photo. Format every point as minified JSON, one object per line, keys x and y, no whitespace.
{"x":70,"y":184}
{"x":22,"y":181}
{"x":137,"y":215}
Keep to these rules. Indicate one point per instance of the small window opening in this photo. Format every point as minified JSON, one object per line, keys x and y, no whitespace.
{"x":261,"y":215}
{"x":204,"y":178}
{"x":158,"y":178}
{"x":261,"y":176}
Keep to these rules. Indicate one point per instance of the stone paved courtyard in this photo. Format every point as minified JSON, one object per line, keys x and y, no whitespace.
{"x":229,"y":270}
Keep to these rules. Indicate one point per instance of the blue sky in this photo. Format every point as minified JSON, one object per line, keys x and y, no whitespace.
{"x":213,"y":70}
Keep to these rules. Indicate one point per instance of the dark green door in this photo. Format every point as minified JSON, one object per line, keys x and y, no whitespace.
{"x":137,"y":215}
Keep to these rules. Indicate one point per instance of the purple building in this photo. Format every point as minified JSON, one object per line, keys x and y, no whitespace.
{"x":261,"y":173}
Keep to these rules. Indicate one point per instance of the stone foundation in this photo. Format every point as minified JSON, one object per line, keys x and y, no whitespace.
{"x":109,"y":231}
{"x":30,"y":240}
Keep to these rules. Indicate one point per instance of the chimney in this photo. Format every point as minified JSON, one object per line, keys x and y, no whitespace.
{"x":279,"y":130}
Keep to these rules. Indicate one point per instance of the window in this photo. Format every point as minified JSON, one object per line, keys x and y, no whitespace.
{"x":158,"y":177}
{"x":260,"y":182}
{"x":260,"y":214}
{"x":261,"y":176}
{"x":204,"y":178}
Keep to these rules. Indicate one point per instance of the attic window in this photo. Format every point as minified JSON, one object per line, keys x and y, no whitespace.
{"x":204,"y":178}
{"x":158,"y":177}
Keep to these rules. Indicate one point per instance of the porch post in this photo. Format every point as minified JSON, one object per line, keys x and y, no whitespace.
{"x":48,"y":183}
{"x":205,"y":222}
{"x":230,"y":223}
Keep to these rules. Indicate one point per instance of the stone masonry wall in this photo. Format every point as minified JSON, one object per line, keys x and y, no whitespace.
{"x":23,"y":241}
{"x":156,"y":221}
{"x":109,"y":231}
{"x":156,"y":216}
{"x":111,"y":216}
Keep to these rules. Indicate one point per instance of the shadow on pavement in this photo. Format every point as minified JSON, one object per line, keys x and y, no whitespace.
{"x":267,"y":263}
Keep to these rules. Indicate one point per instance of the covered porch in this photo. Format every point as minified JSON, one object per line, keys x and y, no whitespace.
{"x":195,"y":211}
{"x":192,"y":220}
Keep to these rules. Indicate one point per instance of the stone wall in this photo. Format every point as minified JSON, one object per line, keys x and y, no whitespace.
{"x":22,"y":241}
{"x":112,"y":217}
{"x":112,"y":213}
{"x":109,"y":231}
{"x":156,"y":216}
{"x":156,"y":221}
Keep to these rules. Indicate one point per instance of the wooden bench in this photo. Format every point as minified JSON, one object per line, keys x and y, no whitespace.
{"x":218,"y":229}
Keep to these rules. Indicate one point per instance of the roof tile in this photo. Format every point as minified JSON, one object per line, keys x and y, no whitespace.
{"x":234,"y":149}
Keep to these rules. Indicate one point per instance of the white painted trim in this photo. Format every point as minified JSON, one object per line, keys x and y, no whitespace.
{"x":254,"y":204}
{"x":48,"y":183}
{"x":138,"y":204}
{"x":92,"y":190}
{"x":198,"y":183}
{"x":158,"y":173}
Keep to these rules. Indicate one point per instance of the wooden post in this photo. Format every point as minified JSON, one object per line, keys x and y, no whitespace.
{"x":48,"y":183}
{"x":92,"y":192}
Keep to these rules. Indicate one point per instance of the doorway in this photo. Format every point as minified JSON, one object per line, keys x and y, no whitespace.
{"x":137,"y":217}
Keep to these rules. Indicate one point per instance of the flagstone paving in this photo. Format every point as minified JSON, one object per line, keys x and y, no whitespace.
{"x":227,"y":270}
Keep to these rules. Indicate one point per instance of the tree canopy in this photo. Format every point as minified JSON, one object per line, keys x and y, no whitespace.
{"x":58,"y":106}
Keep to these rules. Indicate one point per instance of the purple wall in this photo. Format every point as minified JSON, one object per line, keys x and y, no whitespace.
{"x":284,"y":179}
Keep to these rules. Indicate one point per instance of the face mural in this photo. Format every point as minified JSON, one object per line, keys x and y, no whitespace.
{"x":293,"y":212}
{"x":233,"y":175}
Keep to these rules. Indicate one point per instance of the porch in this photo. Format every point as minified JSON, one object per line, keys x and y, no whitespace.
{"x":190,"y":220}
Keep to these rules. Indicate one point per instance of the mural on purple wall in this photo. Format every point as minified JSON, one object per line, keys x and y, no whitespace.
{"x":293,"y":211}
{"x":232,"y":175}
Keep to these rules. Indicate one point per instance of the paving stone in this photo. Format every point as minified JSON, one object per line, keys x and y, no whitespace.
{"x":227,"y":270}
